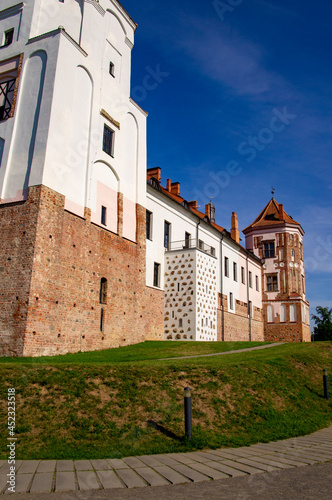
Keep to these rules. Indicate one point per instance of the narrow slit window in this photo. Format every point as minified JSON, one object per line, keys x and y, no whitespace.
{"x":156,"y":274}
{"x":103,"y":291}
{"x":111,"y":69}
{"x":103,"y":215}
{"x":102,"y":319}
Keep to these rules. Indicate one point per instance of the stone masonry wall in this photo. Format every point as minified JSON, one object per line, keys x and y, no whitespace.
{"x":70,"y":256}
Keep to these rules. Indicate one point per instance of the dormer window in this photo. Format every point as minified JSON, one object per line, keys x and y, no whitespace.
{"x":9,"y":35}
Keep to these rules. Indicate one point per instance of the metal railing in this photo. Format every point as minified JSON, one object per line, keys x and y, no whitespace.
{"x":190,"y":244}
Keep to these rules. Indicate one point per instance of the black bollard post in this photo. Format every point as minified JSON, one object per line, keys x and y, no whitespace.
{"x":187,"y":413}
{"x":326,"y":384}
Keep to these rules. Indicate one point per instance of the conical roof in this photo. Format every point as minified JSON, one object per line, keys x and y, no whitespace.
{"x":272,"y":215}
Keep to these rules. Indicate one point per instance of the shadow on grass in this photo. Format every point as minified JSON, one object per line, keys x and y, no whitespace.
{"x":165,"y":431}
{"x":320,"y":395}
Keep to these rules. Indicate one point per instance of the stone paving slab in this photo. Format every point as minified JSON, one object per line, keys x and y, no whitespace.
{"x":65,"y":481}
{"x":257,"y":465}
{"x":226,"y":469}
{"x":29,"y":467}
{"x":109,"y":479}
{"x":269,"y":461}
{"x":209,"y":471}
{"x":6,"y":467}
{"x":208,"y":456}
{"x":151,"y":476}
{"x":286,"y":461}
{"x":182,"y":458}
{"x":83,"y":465}
{"x":150,"y":461}
{"x":46,"y":466}
{"x":243,"y":467}
{"x":87,"y":480}
{"x":134,"y":462}
{"x":117,"y":463}
{"x":3,"y":483}
{"x":22,"y":483}
{"x":191,"y":474}
{"x":299,"y":458}
{"x":131,"y":479}
{"x":100,"y":464}
{"x":171,"y":475}
{"x":42,"y":483}
{"x":64,"y":465}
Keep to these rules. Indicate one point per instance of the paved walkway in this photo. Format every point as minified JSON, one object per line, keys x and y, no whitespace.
{"x":47,"y":476}
{"x":267,"y":346}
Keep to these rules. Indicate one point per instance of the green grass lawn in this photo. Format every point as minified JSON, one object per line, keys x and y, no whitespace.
{"x":139,"y":352}
{"x":99,"y":405}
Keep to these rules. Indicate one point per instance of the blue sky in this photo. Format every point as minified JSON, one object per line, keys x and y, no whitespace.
{"x":239,"y":100}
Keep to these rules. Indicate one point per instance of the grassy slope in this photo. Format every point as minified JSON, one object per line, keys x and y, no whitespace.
{"x":100,"y":409}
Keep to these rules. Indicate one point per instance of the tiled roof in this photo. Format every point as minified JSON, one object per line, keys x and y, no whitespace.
{"x":182,"y":201}
{"x":270,"y":216}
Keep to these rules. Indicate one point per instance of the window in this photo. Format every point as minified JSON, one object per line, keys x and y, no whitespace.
{"x":103,"y":215}
{"x":167,"y":233}
{"x":257,"y":283}
{"x":292,"y":255}
{"x":200,"y":244}
{"x":231,"y":302}
{"x":272,"y":283}
{"x":269,"y":249}
{"x":111,"y":69}
{"x":180,"y":322}
{"x":178,"y":287}
{"x":235,"y":271}
{"x":250,"y":279}
{"x":9,"y":35}
{"x":187,"y":237}
{"x":108,"y":141}
{"x":6,"y":97}
{"x":226,"y":267}
{"x":213,"y":252}
{"x":103,"y":291}
{"x":243,"y":279}
{"x":148,"y":225}
{"x":156,"y":274}
{"x":102,"y":319}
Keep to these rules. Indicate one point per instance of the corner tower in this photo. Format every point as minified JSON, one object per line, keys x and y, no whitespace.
{"x":277,"y":239}
{"x":72,"y":180}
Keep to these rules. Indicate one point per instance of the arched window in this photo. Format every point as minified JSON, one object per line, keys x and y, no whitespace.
{"x":283,"y":314}
{"x":269,"y":314}
{"x":103,"y":291}
{"x":292,"y":313}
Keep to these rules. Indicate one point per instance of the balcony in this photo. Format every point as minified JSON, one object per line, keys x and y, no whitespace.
{"x":176,"y":246}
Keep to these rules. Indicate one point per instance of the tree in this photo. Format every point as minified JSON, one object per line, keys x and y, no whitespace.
{"x":323,"y":320}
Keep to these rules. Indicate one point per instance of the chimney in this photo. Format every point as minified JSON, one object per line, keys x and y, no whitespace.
{"x":193,"y":204}
{"x":281,"y":212}
{"x":235,"y":235}
{"x":175,"y":188}
{"x":168,"y":185}
{"x":210,"y":211}
{"x":154,"y":172}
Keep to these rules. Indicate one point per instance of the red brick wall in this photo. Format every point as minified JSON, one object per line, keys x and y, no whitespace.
{"x":236,"y":325}
{"x":71,"y":255}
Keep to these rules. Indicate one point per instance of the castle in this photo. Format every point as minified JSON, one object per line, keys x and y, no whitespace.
{"x":94,"y":254}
